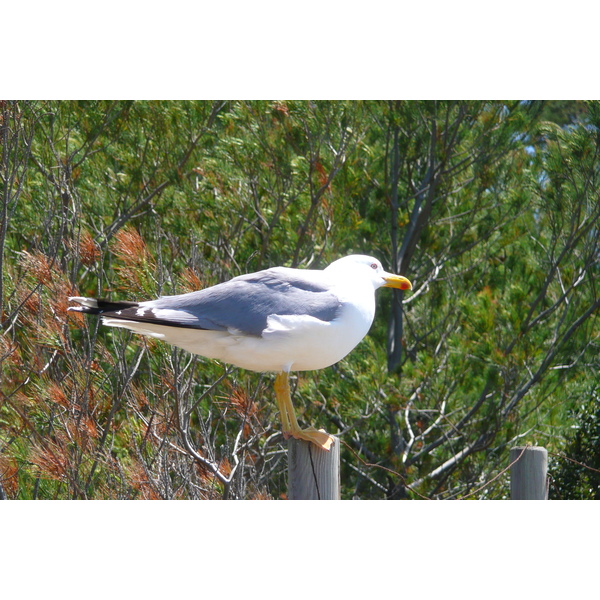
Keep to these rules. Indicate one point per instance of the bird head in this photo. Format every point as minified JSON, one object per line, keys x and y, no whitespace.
{"x":357,"y":263}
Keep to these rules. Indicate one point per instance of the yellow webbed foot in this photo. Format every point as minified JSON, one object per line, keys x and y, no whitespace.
{"x":319,"y":437}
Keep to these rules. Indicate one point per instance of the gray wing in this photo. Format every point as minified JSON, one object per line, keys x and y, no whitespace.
{"x":242,"y":304}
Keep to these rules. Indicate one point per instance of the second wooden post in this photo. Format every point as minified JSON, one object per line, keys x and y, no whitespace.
{"x":528,"y":473}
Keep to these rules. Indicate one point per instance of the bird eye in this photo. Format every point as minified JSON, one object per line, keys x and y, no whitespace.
{"x":374,"y":266}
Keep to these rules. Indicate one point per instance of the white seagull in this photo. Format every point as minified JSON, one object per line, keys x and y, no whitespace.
{"x":277,"y":320}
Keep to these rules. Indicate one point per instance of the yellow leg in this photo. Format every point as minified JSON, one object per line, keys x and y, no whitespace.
{"x":282,"y":390}
{"x":288,"y":417}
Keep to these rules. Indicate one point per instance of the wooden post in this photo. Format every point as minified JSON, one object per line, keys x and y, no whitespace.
{"x":313,"y":473}
{"x":528,"y":476}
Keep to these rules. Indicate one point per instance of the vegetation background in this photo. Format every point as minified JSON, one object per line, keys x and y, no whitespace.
{"x":492,"y":209}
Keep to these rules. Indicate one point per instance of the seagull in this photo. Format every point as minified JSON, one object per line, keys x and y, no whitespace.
{"x":276,"y":320}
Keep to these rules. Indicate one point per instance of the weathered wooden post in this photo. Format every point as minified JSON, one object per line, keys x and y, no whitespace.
{"x":528,"y":475}
{"x":313,"y":473}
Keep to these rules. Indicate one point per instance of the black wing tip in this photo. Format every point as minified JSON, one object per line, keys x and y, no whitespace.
{"x":96,"y":306}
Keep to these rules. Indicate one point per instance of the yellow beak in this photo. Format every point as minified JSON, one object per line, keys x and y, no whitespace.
{"x":396,"y":281}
